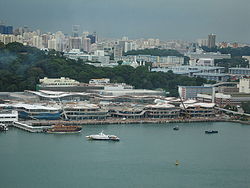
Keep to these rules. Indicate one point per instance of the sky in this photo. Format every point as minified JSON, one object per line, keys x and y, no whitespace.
{"x":164,"y":19}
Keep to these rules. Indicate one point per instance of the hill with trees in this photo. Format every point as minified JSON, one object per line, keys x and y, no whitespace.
{"x":21,"y":67}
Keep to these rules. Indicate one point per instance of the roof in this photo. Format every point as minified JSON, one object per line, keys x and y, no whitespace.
{"x":205,"y":105}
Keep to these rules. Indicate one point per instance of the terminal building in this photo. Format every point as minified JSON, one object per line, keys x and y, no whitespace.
{"x":7,"y":117}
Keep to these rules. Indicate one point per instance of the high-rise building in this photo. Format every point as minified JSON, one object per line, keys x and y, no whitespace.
{"x":75,"y":30}
{"x":6,"y":29}
{"x":86,"y":44}
{"x":118,"y":51}
{"x":75,"y":43}
{"x":211,"y":40}
{"x":93,"y":38}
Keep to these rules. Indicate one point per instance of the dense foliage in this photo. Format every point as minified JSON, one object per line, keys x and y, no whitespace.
{"x":21,"y":67}
{"x":236,"y":54}
{"x":241,"y":51}
{"x":155,"y":52}
{"x":246,"y":107}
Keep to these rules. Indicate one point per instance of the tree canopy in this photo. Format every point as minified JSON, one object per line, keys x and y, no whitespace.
{"x":21,"y":67}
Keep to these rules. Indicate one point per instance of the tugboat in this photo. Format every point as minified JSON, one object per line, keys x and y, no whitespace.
{"x":63,"y":129}
{"x":176,"y":128}
{"x":211,"y":132}
{"x":102,"y":136}
{"x":3,"y":127}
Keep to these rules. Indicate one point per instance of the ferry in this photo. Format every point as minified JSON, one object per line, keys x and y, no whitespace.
{"x":63,"y":129}
{"x":3,"y":127}
{"x":102,"y":136}
{"x":211,"y":132}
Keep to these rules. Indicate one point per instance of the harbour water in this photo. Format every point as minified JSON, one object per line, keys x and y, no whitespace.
{"x":144,"y":158}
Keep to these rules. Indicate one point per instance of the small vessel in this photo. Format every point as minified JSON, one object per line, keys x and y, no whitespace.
{"x":102,"y":136}
{"x":211,"y":132}
{"x":176,"y":128}
{"x":63,"y":129}
{"x":176,"y":162}
{"x":3,"y":127}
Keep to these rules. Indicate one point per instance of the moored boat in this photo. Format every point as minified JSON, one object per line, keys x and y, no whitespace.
{"x":176,"y":128}
{"x":102,"y":136}
{"x":63,"y":129}
{"x":3,"y":127}
{"x":211,"y":132}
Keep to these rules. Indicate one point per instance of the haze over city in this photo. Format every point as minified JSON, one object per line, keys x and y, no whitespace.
{"x":164,"y":19}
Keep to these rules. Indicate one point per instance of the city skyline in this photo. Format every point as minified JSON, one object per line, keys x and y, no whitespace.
{"x":166,"y":20}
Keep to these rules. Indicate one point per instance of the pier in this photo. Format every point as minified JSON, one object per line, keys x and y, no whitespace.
{"x":36,"y":123}
{"x":29,"y":128}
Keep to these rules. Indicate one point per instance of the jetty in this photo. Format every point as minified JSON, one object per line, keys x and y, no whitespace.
{"x":36,"y":123}
{"x":29,"y":128}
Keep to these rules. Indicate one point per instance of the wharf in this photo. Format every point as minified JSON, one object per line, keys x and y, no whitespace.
{"x":29,"y":128}
{"x":120,"y":121}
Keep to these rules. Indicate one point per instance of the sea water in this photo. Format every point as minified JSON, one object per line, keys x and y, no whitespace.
{"x":144,"y":157}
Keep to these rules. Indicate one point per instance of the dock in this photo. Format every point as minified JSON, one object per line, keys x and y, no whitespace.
{"x":36,"y":123}
{"x":29,"y":128}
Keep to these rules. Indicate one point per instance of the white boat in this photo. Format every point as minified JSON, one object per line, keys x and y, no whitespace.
{"x":102,"y":136}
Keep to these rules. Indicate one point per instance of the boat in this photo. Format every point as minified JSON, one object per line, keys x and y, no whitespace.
{"x":176,"y":162}
{"x":176,"y":128}
{"x":102,"y":136}
{"x":63,"y":129}
{"x":211,"y":132}
{"x":3,"y":127}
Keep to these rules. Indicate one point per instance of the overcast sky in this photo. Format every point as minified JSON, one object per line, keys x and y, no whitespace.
{"x":164,"y":19}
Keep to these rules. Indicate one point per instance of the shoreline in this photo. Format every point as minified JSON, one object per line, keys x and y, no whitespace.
{"x":130,"y":121}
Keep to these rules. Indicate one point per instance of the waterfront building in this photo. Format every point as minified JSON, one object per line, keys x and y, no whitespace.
{"x":81,"y":111}
{"x":58,"y":94}
{"x":198,"y":109}
{"x":35,"y":111}
{"x":190,"y":92}
{"x":127,"y":112}
{"x":8,"y":116}
{"x":162,"y":110}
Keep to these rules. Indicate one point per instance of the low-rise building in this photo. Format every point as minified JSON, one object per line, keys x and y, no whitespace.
{"x":8,"y":116}
{"x":244,"y":85}
{"x":198,"y":109}
{"x":190,"y":92}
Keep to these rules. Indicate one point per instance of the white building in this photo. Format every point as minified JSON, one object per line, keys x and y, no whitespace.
{"x":8,"y":116}
{"x":201,"y":62}
{"x":100,"y":81}
{"x":244,"y":85}
{"x":58,"y":81}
